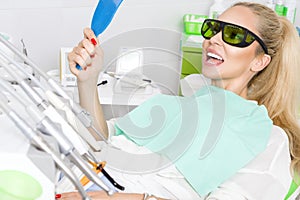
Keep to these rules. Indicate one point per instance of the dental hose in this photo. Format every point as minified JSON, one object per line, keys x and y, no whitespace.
{"x":80,"y":112}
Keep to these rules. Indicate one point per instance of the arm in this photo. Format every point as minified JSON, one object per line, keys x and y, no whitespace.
{"x":100,"y":195}
{"x":89,"y":55}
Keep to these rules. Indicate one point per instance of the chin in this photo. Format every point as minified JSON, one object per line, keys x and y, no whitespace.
{"x":211,"y":72}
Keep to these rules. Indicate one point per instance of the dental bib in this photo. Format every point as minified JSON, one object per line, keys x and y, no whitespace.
{"x":208,"y":136}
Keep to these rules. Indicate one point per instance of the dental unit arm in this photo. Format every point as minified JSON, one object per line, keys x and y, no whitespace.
{"x":51,"y":112}
{"x":84,"y":119}
{"x":48,"y":109}
{"x":54,"y":116}
{"x":47,"y":126}
{"x":37,"y":141}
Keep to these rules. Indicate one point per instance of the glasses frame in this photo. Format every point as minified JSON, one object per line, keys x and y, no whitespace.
{"x":242,"y":44}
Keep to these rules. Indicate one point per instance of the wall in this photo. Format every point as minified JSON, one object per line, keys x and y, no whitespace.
{"x":45,"y":26}
{"x":48,"y":25}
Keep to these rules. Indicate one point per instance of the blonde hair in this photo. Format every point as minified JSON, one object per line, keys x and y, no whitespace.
{"x":277,"y":86}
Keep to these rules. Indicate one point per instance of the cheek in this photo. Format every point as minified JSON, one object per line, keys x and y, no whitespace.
{"x":237,"y":62}
{"x":239,"y":56}
{"x":205,"y":44}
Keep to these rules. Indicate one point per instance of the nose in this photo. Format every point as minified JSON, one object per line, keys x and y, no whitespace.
{"x":217,"y":39}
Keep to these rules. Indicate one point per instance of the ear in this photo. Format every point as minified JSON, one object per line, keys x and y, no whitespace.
{"x":260,"y":62}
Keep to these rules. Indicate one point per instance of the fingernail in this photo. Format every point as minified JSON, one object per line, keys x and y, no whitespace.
{"x":57,"y":196}
{"x":94,"y":42}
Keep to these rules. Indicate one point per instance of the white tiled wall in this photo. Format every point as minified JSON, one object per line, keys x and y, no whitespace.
{"x":47,"y":25}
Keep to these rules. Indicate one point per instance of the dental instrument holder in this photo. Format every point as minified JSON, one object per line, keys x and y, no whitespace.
{"x":34,"y":111}
{"x":45,"y":125}
{"x":52,"y":129}
{"x":43,"y":104}
{"x":102,"y":17}
{"x":37,"y":141}
{"x":81,"y":114}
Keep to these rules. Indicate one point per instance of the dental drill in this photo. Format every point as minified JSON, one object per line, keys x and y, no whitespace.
{"x":37,"y":141}
{"x":43,"y":105}
{"x":47,"y":126}
{"x":41,"y":102}
{"x":54,"y":116}
{"x":81,"y":114}
{"x":80,"y":122}
{"x":58,"y":103}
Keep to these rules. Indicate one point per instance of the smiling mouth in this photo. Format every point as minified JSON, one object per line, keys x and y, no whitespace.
{"x":214,"y":59}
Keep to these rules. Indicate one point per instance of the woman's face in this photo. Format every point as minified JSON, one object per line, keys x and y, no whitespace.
{"x":227,"y":66}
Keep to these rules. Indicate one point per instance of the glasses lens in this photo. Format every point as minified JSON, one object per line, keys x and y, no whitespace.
{"x":210,"y":29}
{"x":249,"y":38}
{"x":233,"y":34}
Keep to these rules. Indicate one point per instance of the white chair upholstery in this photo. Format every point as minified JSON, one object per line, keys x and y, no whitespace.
{"x":191,"y":83}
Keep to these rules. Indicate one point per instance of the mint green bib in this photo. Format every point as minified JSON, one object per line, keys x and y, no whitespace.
{"x":208,"y":136}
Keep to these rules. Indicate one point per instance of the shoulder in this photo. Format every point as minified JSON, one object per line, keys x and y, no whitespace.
{"x":276,"y":156}
{"x":278,"y":135}
{"x":268,"y":175}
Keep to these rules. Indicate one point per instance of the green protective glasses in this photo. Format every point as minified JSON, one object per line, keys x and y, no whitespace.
{"x":232,"y":34}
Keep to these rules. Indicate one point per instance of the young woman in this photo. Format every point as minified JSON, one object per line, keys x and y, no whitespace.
{"x":254,"y":54}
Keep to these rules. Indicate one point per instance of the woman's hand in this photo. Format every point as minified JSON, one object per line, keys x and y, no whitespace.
{"x":101,"y":195}
{"x":89,"y":55}
{"x":97,"y":195}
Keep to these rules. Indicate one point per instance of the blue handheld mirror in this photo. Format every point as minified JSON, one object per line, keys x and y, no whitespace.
{"x":103,"y":15}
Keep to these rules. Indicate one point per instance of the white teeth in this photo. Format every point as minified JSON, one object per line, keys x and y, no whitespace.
{"x":214,"y":56}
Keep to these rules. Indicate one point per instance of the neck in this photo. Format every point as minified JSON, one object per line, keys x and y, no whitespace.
{"x":239,"y":89}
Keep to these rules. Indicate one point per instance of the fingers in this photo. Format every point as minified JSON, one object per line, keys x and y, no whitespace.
{"x":96,"y":195}
{"x":84,"y":52}
{"x":90,"y":36}
{"x":70,"y":196}
{"x":82,"y":55}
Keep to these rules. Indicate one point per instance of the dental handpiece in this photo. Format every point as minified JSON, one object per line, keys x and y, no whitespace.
{"x":81,"y":114}
{"x":74,"y":121}
{"x":41,"y":102}
{"x":58,"y":89}
{"x":57,"y":102}
{"x":49,"y":111}
{"x":43,"y":105}
{"x":38,"y":142}
{"x":46,"y":126}
{"x":81,"y":163}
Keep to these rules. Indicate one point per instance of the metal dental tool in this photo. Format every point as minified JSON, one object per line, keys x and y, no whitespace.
{"x":47,"y":126}
{"x":37,"y":141}
{"x":81,"y":114}
{"x":24,"y":47}
{"x":80,"y":122}
{"x":43,"y":105}
{"x":24,"y":50}
{"x":59,"y":104}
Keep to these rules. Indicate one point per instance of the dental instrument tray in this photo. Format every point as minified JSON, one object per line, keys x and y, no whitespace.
{"x":193,"y":23}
